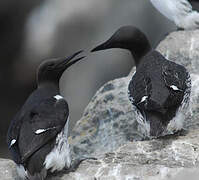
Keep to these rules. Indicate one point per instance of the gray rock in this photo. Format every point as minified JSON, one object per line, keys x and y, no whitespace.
{"x":108,"y":121}
{"x":157,"y":159}
{"x":7,"y":169}
{"x":183,"y":48}
{"x":108,"y":130}
{"x":144,"y":160}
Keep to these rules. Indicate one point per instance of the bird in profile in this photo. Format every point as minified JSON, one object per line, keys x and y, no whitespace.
{"x":37,"y":135}
{"x":159,"y":89}
{"x":178,"y":11}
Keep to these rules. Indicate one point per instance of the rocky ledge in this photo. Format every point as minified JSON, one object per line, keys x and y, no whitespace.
{"x":108,"y":130}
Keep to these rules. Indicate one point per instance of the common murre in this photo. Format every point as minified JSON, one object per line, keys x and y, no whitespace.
{"x":178,"y":11}
{"x":159,"y":89}
{"x":37,"y":136}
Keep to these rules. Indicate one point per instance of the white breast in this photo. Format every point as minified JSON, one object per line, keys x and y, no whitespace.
{"x":22,"y":173}
{"x":59,"y":157}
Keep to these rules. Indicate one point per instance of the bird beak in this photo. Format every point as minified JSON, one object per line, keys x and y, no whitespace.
{"x":68,"y":61}
{"x":103,"y":46}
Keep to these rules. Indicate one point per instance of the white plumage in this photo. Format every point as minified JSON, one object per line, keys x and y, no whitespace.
{"x":143,"y":99}
{"x":58,"y":97}
{"x":22,"y":173}
{"x":177,"y":123}
{"x":13,"y":142}
{"x":175,"y":88}
{"x":178,"y":11}
{"x":59,"y":157}
{"x":39,"y":131}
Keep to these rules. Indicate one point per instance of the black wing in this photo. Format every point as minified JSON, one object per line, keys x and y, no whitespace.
{"x":12,"y":135}
{"x":177,"y":80}
{"x":140,"y":89}
{"x":41,"y":125}
{"x":175,"y":74}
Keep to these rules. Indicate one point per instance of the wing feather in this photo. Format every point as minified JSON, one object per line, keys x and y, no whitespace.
{"x":50,"y":115}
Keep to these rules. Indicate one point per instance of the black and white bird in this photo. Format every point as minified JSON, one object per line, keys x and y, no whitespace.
{"x":178,"y":11}
{"x":37,"y":136}
{"x":159,"y":89}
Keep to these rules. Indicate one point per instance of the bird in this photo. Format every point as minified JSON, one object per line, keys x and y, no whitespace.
{"x":159,"y":90}
{"x":178,"y":11}
{"x":37,"y":135}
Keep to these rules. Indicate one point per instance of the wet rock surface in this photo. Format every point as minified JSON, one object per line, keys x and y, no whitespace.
{"x":108,"y":130}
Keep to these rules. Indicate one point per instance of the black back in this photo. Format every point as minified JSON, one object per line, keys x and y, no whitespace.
{"x":41,"y":111}
{"x":153,"y":78}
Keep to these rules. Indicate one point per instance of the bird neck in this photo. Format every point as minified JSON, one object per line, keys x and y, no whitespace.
{"x":139,"y":53}
{"x":49,"y":85}
{"x":137,"y":58}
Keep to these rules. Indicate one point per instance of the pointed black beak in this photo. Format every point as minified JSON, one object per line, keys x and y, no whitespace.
{"x":66,"y":62}
{"x":103,"y":46}
{"x":70,"y":63}
{"x":74,"y":61}
{"x":68,"y":59}
{"x":99,"y":48}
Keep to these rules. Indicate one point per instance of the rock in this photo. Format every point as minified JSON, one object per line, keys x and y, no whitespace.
{"x":108,"y":130}
{"x":7,"y":169}
{"x":144,"y":160}
{"x":156,"y":159}
{"x":108,"y":121}
{"x":183,"y":48}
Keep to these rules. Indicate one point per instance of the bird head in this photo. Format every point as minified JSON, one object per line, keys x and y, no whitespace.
{"x":130,"y":38}
{"x":51,"y":70}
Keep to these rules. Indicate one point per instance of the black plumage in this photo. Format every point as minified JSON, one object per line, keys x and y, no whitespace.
{"x":163,"y":83}
{"x":159,"y":88}
{"x":35,"y":129}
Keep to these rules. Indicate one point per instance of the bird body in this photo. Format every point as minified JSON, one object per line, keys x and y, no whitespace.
{"x":37,"y":136}
{"x":178,"y":11}
{"x":159,"y":89}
